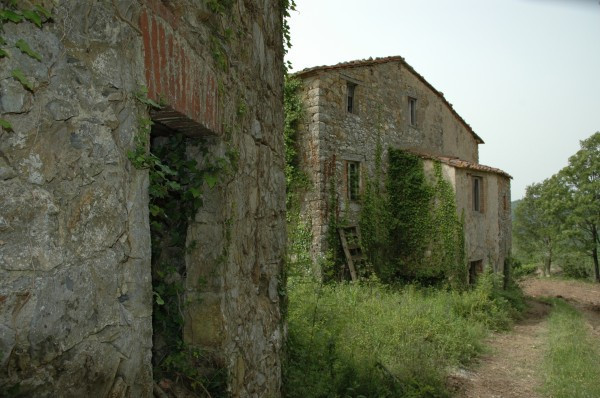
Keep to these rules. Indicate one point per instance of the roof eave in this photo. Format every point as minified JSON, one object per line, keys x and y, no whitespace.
{"x":377,"y":61}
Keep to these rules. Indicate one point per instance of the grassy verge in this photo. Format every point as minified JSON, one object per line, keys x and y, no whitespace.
{"x":369,"y":340}
{"x":572,"y":362}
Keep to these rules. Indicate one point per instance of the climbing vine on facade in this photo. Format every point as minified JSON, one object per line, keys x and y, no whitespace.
{"x":411,"y":229}
{"x":296,"y":182}
{"x":175,"y":190}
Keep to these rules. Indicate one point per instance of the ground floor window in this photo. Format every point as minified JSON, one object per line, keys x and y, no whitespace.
{"x":353,"y":180}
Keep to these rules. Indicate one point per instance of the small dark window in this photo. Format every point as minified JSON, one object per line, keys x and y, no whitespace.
{"x":412,"y":111}
{"x":478,"y":194}
{"x":351,"y":99}
{"x":353,"y":180}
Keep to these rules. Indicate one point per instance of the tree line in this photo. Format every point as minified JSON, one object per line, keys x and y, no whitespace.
{"x":558,"y":220}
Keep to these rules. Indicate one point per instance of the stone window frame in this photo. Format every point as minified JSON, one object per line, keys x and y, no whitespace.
{"x":352,"y":102}
{"x":477,"y":193}
{"x":412,"y":111}
{"x":353,"y":180}
{"x":350,"y":160}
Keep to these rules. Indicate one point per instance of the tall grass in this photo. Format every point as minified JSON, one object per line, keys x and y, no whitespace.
{"x":572,"y":361}
{"x":370,"y":340}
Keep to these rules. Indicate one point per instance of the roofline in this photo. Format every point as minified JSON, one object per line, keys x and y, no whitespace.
{"x":460,"y":163}
{"x":376,"y":61}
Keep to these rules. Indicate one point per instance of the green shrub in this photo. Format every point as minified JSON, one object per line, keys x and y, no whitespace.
{"x":521,"y":270}
{"x":371,"y":340}
{"x":574,"y":266}
{"x":572,"y":361}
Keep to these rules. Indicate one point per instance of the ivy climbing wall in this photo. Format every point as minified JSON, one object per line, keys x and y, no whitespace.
{"x":76,"y":290}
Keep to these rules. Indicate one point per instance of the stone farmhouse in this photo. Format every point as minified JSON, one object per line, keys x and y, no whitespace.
{"x":349,"y":104}
{"x":76,"y":290}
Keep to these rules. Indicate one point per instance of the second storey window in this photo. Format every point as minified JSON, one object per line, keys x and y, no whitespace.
{"x":412,"y":111}
{"x":353,"y":180}
{"x":478,"y":194}
{"x":351,"y":100}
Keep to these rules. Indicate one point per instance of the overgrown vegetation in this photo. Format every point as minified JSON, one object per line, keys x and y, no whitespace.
{"x":558,"y":220}
{"x":572,"y":360}
{"x":373,"y":340}
{"x":287,"y":6}
{"x":411,"y":228}
{"x":377,"y":338}
{"x":176,"y":185}
{"x":296,"y":183}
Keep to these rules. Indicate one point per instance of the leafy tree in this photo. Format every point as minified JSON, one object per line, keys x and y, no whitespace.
{"x":580,"y":182}
{"x":537,"y":228}
{"x":562,"y":214}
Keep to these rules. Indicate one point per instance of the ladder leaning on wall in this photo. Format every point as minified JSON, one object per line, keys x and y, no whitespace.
{"x":350,"y":237}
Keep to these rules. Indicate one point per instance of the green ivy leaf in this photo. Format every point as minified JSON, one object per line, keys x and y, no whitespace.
{"x":155,"y":210}
{"x":18,"y":74}
{"x":142,"y":96}
{"x":43,"y":11}
{"x":211,"y":180}
{"x":33,"y":16}
{"x":5,"y":124}
{"x":196,"y":193}
{"x":24,"y":47}
{"x":174,"y":185}
{"x":2,"y":41}
{"x":3,"y":53}
{"x":10,"y":16}
{"x":159,"y":300}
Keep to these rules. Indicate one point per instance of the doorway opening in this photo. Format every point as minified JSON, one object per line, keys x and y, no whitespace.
{"x":175,"y":193}
{"x":475,"y":268}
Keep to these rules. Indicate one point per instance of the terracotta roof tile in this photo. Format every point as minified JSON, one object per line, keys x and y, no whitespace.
{"x":383,"y":60}
{"x":460,"y":163}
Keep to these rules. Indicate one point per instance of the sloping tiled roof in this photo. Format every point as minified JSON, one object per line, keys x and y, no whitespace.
{"x":376,"y":61}
{"x":460,"y":163}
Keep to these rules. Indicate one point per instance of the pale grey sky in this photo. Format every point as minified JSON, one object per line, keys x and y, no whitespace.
{"x":525,"y":74}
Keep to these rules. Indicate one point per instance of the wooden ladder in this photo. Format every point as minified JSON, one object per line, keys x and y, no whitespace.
{"x":350,"y":237}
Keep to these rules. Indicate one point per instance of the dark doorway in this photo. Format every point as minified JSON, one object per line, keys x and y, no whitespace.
{"x":475,"y":268}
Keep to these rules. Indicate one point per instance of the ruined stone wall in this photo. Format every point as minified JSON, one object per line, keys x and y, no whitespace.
{"x":75,"y":291}
{"x":310,"y":138}
{"x":487,"y":232}
{"x":75,"y":283}
{"x":332,"y":136}
{"x":504,"y":220}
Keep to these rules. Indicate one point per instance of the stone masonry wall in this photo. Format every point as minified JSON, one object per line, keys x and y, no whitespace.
{"x":75,"y":289}
{"x":331,"y":135}
{"x":75,"y":285}
{"x":487,"y":233}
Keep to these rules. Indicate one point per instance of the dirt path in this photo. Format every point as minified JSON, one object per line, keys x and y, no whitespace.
{"x":511,"y":369}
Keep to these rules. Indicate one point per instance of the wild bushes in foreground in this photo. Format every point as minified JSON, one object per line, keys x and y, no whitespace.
{"x":371,"y":340}
{"x":572,"y":361}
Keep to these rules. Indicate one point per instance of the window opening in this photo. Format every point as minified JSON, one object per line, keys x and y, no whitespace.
{"x":353,"y":180}
{"x":350,"y":88}
{"x":412,"y":111}
{"x":477,"y":194}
